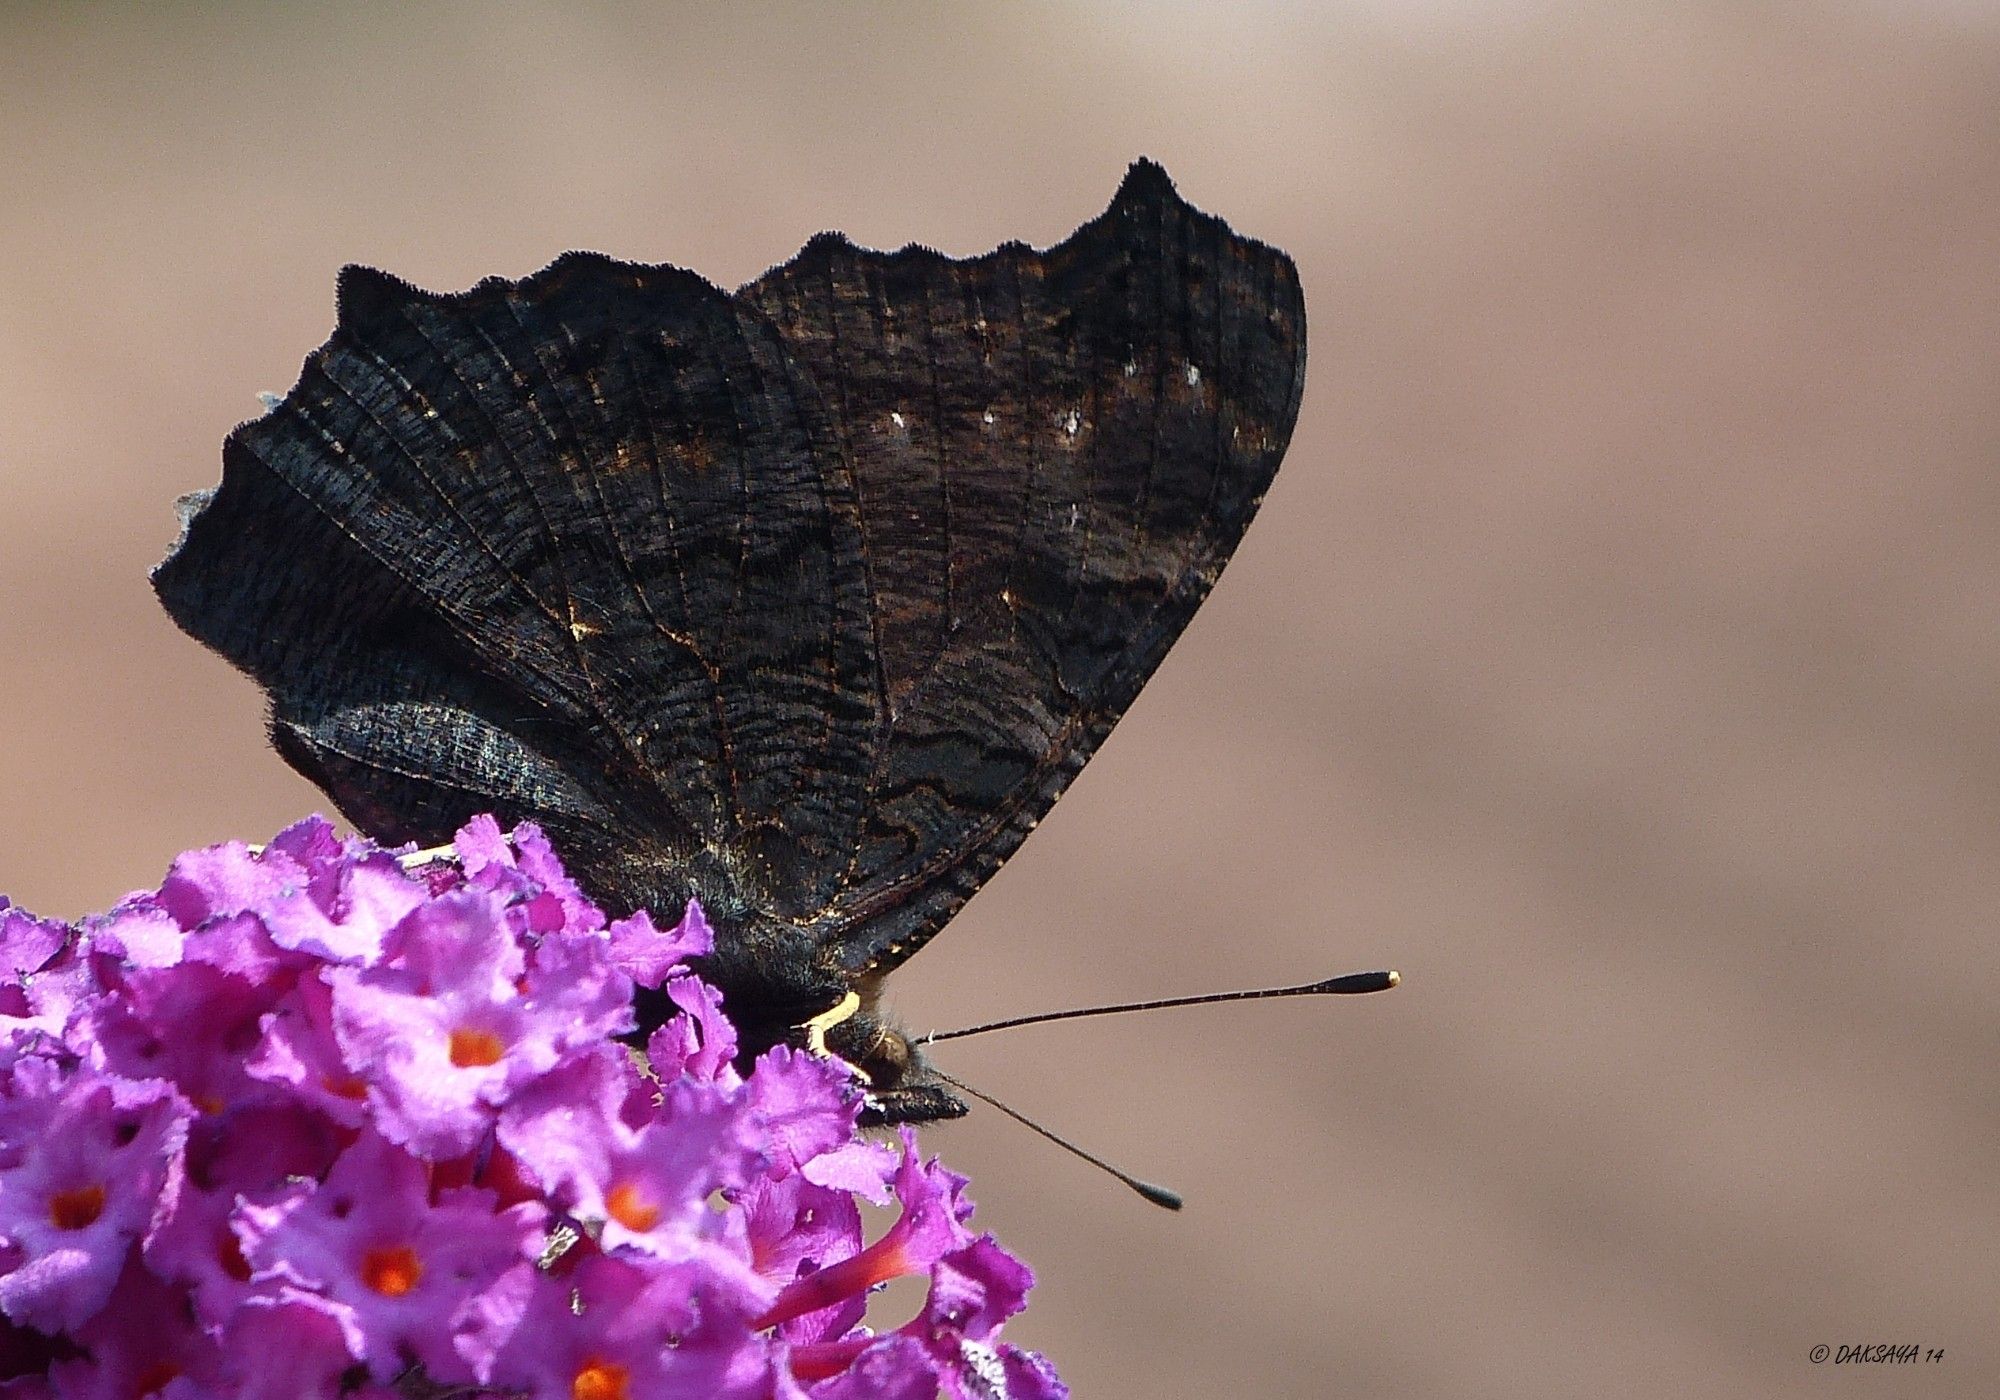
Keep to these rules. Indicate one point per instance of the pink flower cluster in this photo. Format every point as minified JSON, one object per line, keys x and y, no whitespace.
{"x":302,"y":1123}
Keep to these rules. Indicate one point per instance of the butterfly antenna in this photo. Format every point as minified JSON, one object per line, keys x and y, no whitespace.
{"x":1158,"y":1195}
{"x":1353,"y":984}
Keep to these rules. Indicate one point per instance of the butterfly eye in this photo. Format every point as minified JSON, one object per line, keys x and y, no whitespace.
{"x":888,"y":1058}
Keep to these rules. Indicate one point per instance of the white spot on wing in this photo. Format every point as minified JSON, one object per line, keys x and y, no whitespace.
{"x":1193,"y":374}
{"x":989,"y":417}
{"x":897,"y":419}
{"x":1072,"y":421}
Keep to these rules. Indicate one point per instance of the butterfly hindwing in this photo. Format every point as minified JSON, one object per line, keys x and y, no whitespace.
{"x":591,"y":527}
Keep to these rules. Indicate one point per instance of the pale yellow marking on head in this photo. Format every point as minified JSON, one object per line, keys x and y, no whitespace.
{"x":819,"y":1025}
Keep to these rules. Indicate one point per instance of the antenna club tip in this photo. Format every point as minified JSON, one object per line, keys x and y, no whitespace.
{"x":1395,"y":978}
{"x":1158,"y":1195}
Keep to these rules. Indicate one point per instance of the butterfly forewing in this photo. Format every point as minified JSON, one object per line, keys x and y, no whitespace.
{"x":1055,"y":454}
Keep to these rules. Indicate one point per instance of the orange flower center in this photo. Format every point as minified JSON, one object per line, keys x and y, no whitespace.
{"x":600,"y":1380}
{"x":470,"y":1048}
{"x":629,"y":1207}
{"x":77,"y":1209}
{"x":392,"y":1272}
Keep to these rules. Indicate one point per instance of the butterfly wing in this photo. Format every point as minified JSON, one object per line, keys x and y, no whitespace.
{"x":1054,"y":455}
{"x":579,"y":548}
{"x":809,"y":601}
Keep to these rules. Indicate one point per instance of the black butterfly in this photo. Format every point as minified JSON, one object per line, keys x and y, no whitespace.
{"x":807,"y":600}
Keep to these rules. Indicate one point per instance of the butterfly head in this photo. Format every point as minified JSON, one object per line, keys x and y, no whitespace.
{"x":901,"y":1086}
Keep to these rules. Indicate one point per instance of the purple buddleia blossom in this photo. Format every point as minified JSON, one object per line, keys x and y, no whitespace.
{"x":27,"y":943}
{"x":646,"y":1183}
{"x":699,"y":1042}
{"x":283,"y":1348}
{"x":137,"y":1342}
{"x":138,"y":933}
{"x":309,"y":1123}
{"x":464,"y":1017}
{"x":797,"y":1228}
{"x":190,"y":1024}
{"x":396,"y":1261}
{"x":86,"y":1162}
{"x":619,"y":1326}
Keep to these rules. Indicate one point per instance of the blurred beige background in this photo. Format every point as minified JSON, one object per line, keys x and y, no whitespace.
{"x":1616,"y":654}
